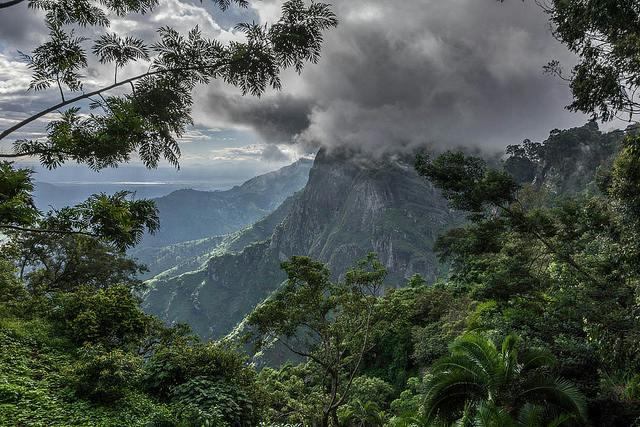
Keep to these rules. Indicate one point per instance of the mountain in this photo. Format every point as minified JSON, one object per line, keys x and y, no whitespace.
{"x":172,"y":260}
{"x":567,"y":162}
{"x":193,"y":223}
{"x":348,"y":208}
{"x":190,"y":214}
{"x":60,"y":194}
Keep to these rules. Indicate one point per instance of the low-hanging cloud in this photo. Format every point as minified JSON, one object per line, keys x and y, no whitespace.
{"x":395,"y":75}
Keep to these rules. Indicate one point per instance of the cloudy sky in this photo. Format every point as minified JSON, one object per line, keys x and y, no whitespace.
{"x":394,"y":75}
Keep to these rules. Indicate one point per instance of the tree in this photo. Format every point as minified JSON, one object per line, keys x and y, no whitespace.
{"x":50,"y":262}
{"x":479,"y":379}
{"x":562,"y":272}
{"x":211,"y":379}
{"x":109,"y":317}
{"x":358,"y":414}
{"x":327,"y":323}
{"x":604,"y":36}
{"x":149,"y":119}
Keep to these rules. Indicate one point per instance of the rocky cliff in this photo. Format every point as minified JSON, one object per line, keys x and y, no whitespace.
{"x":348,"y":208}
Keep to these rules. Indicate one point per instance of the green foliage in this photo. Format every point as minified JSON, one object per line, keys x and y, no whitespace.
{"x":625,"y":176}
{"x":371,"y":389}
{"x":559,"y":271}
{"x":413,"y":327}
{"x":58,"y":61}
{"x":16,"y":206}
{"x":292,"y":394}
{"x":209,"y":378}
{"x":358,"y":414}
{"x":443,"y":316}
{"x":231,"y":404}
{"x":328,"y":324}
{"x":172,"y":366}
{"x":117,"y":219}
{"x":103,"y":376}
{"x":35,"y":379}
{"x":604,"y":36}
{"x":111,"y":317}
{"x":187,"y":416}
{"x":407,"y":408}
{"x":113,"y":48}
{"x":467,"y":182}
{"x":54,"y":262}
{"x":502,"y":380}
{"x":114,"y":218}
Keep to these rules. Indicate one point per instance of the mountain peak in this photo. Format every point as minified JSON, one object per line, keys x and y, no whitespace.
{"x":348,"y":208}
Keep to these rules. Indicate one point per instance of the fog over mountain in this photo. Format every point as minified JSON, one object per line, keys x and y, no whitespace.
{"x":399,"y":74}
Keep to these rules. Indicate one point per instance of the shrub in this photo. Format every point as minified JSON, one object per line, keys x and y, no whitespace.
{"x":110,"y":317}
{"x":371,"y":389}
{"x":230,"y":401}
{"x":104,"y":376}
{"x":171,"y":366}
{"x":211,"y":377}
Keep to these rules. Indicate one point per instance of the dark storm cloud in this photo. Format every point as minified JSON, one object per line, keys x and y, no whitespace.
{"x":400,"y":74}
{"x":275,"y":117}
{"x":20,"y":27}
{"x":393,"y":75}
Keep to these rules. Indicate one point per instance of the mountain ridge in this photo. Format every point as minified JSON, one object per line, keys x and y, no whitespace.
{"x":193,"y":214}
{"x":347,"y":209}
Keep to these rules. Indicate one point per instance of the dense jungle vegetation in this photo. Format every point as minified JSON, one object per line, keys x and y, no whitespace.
{"x":536,"y":324}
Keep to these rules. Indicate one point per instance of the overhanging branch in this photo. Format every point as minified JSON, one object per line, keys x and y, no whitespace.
{"x":46,"y":230}
{"x":87,"y":95}
{"x":10,"y":3}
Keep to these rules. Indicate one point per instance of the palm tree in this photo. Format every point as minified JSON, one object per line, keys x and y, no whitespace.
{"x":358,"y":414}
{"x":499,"y":387}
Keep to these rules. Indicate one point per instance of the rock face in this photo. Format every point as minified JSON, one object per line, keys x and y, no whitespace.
{"x":347,"y":209}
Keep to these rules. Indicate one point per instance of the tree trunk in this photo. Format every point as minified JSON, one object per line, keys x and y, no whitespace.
{"x":334,"y":417}
{"x":325,"y":419}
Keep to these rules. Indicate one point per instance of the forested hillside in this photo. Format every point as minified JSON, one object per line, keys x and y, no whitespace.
{"x":408,"y":284}
{"x":347,"y":210}
{"x":532,"y":324}
{"x":197,"y":222}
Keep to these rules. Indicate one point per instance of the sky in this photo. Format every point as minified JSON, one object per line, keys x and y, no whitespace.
{"x":393,"y":76}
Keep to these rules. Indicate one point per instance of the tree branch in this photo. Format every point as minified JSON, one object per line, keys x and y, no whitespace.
{"x":550,"y":246}
{"x":87,"y":95}
{"x":360,"y":356}
{"x":35,"y":153}
{"x":10,"y":3}
{"x":303,"y":354}
{"x":45,"y":230}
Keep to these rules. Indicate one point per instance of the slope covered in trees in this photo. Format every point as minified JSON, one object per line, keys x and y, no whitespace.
{"x":534,"y":324}
{"x":195,"y":223}
{"x":346,"y":210}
